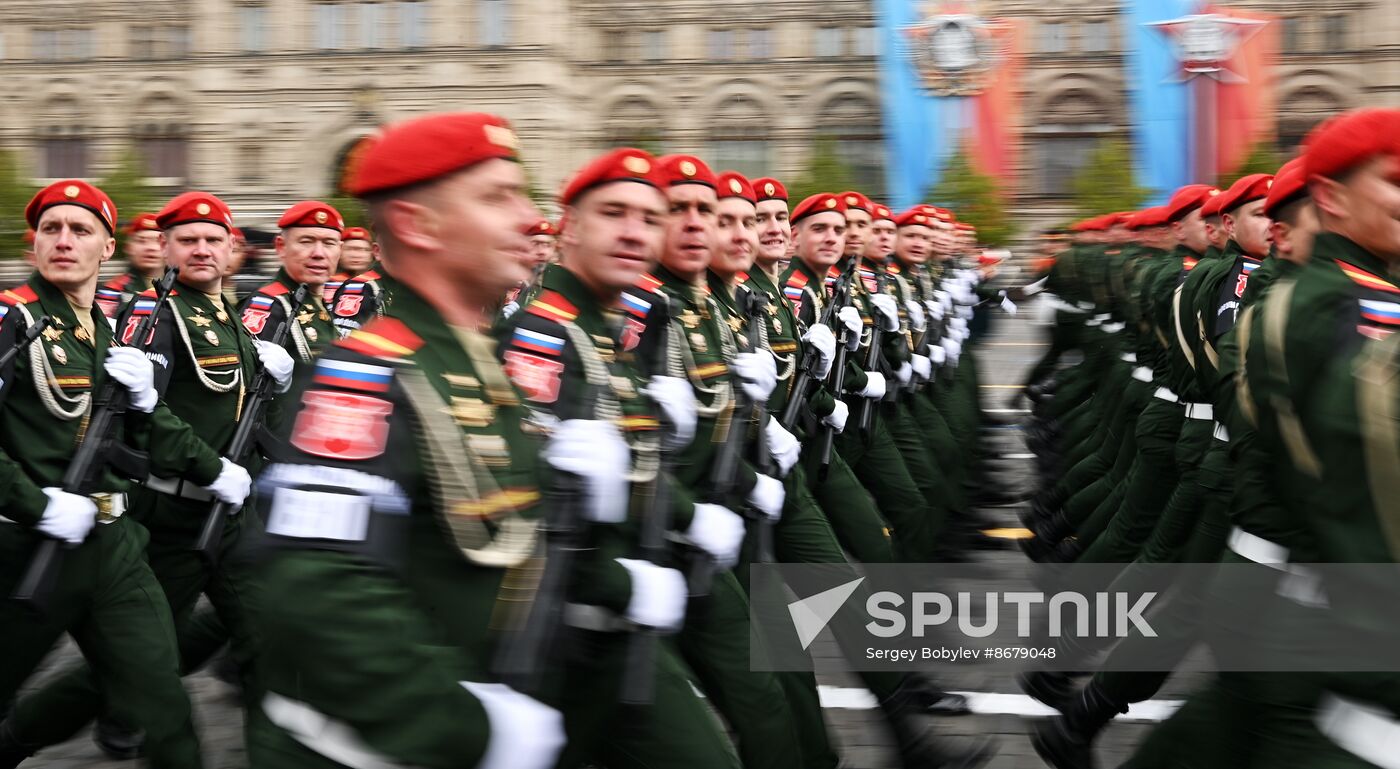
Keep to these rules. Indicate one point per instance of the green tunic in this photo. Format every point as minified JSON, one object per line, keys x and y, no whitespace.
{"x":311,"y":329}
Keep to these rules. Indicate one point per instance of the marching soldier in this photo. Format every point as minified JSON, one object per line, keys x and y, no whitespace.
{"x":105,"y":595}
{"x":143,"y":255}
{"x":403,"y":503}
{"x":309,"y":247}
{"x":358,"y":252}
{"x":357,"y":298}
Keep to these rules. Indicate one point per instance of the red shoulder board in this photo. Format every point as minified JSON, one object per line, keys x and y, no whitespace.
{"x":742,"y":277}
{"x":340,"y":277}
{"x":150,"y":293}
{"x":18,"y":295}
{"x":893,"y":269}
{"x":383,"y":338}
{"x":274,"y":289}
{"x":369,"y":275}
{"x":119,"y":282}
{"x":648,"y":282}
{"x":797,"y":279}
{"x":1365,"y":278}
{"x":551,"y":305}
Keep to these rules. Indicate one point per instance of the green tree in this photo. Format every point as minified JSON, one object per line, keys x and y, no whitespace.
{"x":351,"y":209}
{"x":975,"y":198}
{"x":15,"y":193}
{"x":825,"y":172}
{"x":1262,"y":159}
{"x":1106,"y":182}
{"x":126,"y":185}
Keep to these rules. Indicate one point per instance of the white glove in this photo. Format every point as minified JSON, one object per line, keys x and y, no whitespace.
{"x":782,"y":445}
{"x":525,"y":733}
{"x":68,"y":517}
{"x":874,"y":386}
{"x":130,"y":368}
{"x":277,"y":362}
{"x":595,"y":451}
{"x":850,"y":318}
{"x":820,"y":338}
{"x":887,"y":310}
{"x":954,"y":348}
{"x":758,"y":372}
{"x":659,"y":595}
{"x":923,"y":367}
{"x":905,"y":373}
{"x":935,"y":310}
{"x":937,"y":354}
{"x":837,"y":417}
{"x":916,"y":315}
{"x":509,"y":309}
{"x":768,"y":495}
{"x":677,"y":399}
{"x":1006,"y":303}
{"x":718,"y":531}
{"x":232,"y":486}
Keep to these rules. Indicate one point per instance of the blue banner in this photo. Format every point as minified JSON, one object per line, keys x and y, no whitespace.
{"x":1157,"y":98}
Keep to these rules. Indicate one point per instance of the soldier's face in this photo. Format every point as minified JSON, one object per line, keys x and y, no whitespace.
{"x":944,"y":240}
{"x":1190,"y":231}
{"x":1294,"y":240}
{"x":774,"y":231}
{"x":736,"y":228}
{"x":70,"y":244}
{"x":1215,"y":231}
{"x":690,"y":229}
{"x":310,"y":254}
{"x":857,"y":231}
{"x":914,"y":244}
{"x":541,"y":249}
{"x":1252,"y":228}
{"x":202,"y":251}
{"x":1365,"y":206}
{"x":881,"y":243}
{"x":355,"y":256}
{"x":143,"y":250}
{"x":821,"y":240}
{"x":614,"y":234}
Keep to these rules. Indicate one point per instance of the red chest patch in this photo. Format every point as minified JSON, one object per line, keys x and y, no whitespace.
{"x":537,"y":377}
{"x":255,"y":319}
{"x":349,"y":305}
{"x":342,"y":426}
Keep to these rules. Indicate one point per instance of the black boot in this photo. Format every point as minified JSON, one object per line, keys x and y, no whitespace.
{"x":918,"y":747}
{"x":12,"y":751}
{"x":1067,"y":742}
{"x":118,"y":741}
{"x":1053,"y":689}
{"x":1053,"y":528}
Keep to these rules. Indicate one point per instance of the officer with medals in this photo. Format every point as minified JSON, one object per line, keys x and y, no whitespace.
{"x":141,"y":245}
{"x":309,"y":247}
{"x":104,"y":594}
{"x":402,"y":505}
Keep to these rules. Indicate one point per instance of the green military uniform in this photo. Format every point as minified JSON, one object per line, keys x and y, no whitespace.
{"x":106,"y":596}
{"x":357,"y":300}
{"x":310,"y":329}
{"x":114,"y":295}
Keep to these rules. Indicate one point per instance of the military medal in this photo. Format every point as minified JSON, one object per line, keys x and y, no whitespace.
{"x":777,"y":326}
{"x":736,"y":323}
{"x":81,"y":334}
{"x":200,"y":320}
{"x":324,"y":315}
{"x":222,"y":316}
{"x":689,"y":319}
{"x":311,"y":334}
{"x":211,"y":336}
{"x":697,"y":341}
{"x":53,"y":334}
{"x":60,"y":355}
{"x":305,"y":317}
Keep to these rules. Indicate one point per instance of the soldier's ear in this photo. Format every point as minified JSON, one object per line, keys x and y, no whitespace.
{"x":411,"y":224}
{"x":1330,"y":196}
{"x":109,"y":249}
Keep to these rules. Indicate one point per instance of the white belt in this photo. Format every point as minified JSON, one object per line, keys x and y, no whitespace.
{"x":1142,"y":373}
{"x":1257,"y":549}
{"x":1368,"y":733}
{"x":1113,"y":328}
{"x":1200,"y":411}
{"x":178,"y":488}
{"x":324,"y":735}
{"x":1221,"y":434}
{"x":1128,"y":357}
{"x":1166,"y":395}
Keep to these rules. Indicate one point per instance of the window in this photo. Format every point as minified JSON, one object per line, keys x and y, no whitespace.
{"x":413,"y":21}
{"x":827,"y":43}
{"x":654,"y":45}
{"x":721,"y":44}
{"x":1052,"y":37}
{"x":1290,"y":33}
{"x":867,"y":41}
{"x":1096,"y":36}
{"x":761,"y":43}
{"x":328,"y":26}
{"x":65,"y":157}
{"x":1065,"y":135}
{"x":739,"y":137}
{"x":77,"y":43}
{"x":636,"y":122}
{"x":177,"y":41}
{"x":1334,"y":33}
{"x":494,"y":24}
{"x":370,"y":21}
{"x":45,"y":44}
{"x":167,"y":157}
{"x":851,"y":129}
{"x":251,"y":22}
{"x":143,"y":41}
{"x":615,"y":45}
{"x":251,"y":163}
{"x":1058,"y":159}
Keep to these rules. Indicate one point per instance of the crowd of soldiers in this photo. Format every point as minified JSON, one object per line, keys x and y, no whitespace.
{"x":479,"y":489}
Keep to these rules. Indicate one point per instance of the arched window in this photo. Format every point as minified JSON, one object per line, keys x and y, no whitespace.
{"x":635,"y":122}
{"x":162,"y":139}
{"x":1069,"y":129}
{"x":1301,"y":111}
{"x":63,"y":143}
{"x":852,"y":122}
{"x":739,"y":137}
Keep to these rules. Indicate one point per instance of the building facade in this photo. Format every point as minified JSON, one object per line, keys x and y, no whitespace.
{"x":260,"y":100}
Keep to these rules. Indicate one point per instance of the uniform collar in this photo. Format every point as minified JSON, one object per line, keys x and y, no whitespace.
{"x":1339,"y":247}
{"x":563,"y":282}
{"x":286,"y":279}
{"x":688,"y":291}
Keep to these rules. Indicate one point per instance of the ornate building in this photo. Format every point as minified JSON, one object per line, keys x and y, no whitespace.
{"x":259,"y":100}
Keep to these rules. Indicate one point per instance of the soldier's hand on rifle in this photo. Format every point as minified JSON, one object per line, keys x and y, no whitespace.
{"x":718,"y":531}
{"x":850,"y":318}
{"x":953,"y":348}
{"x":758,"y":372}
{"x":820,"y":338}
{"x":594,"y":450}
{"x":838,"y":416}
{"x":916,"y":315}
{"x":937,"y":354}
{"x":659,"y":595}
{"x":923,"y":367}
{"x":905,"y":374}
{"x":68,"y":517}
{"x":768,"y":495}
{"x":887,"y":310}
{"x":277,"y":362}
{"x":935,"y":310}
{"x":232,"y":486}
{"x":509,"y":309}
{"x":874,"y":386}
{"x":1006,"y":303}
{"x":525,"y":733}
{"x":133,"y":371}
{"x":782,"y":445}
{"x":675,"y":397}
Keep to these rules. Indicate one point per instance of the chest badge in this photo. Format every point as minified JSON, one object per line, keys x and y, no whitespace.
{"x":59,"y":354}
{"x":698,"y":343}
{"x":222,"y":316}
{"x":689,"y":319}
{"x":212,"y":337}
{"x":199,"y":320}
{"x":311,"y":334}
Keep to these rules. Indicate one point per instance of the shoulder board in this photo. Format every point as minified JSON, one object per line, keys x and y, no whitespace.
{"x":119,"y":282}
{"x":832,"y":274}
{"x":1364,"y":278}
{"x":742,"y":277}
{"x":893,"y":269}
{"x":369,"y":275}
{"x":150,"y":293}
{"x":382,"y":338}
{"x":339,"y":277}
{"x":797,"y":279}
{"x":18,"y":295}
{"x":648,"y":282}
{"x":553,"y":305}
{"x":634,"y":305}
{"x":274,"y":289}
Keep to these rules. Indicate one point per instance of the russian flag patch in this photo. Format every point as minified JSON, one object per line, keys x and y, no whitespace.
{"x":534,"y":341}
{"x":635,"y":306}
{"x":261,"y":302}
{"x":353,"y":376}
{"x":1387,"y":313}
{"x":143,"y":307}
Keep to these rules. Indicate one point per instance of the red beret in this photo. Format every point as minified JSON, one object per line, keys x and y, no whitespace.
{"x":194,"y":206}
{"x":855,"y":200}
{"x":73,"y":192}
{"x":1212,"y":205}
{"x":623,"y":164}
{"x":685,"y":169}
{"x":355,"y":233}
{"x":1290,"y":184}
{"x":918,"y":215}
{"x":142,"y":222}
{"x":1149,"y":217}
{"x":768,"y":188}
{"x":427,"y":148}
{"x":1115,"y":219}
{"x":732,"y":184}
{"x":1350,"y":139}
{"x":945,"y":214}
{"x":878,"y":212}
{"x":542,"y":227}
{"x":1186,"y":200}
{"x":816,"y":204}
{"x":312,"y":213}
{"x":1080,"y":226}
{"x":964,"y":226}
{"x":1245,"y":189}
{"x":237,"y":234}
